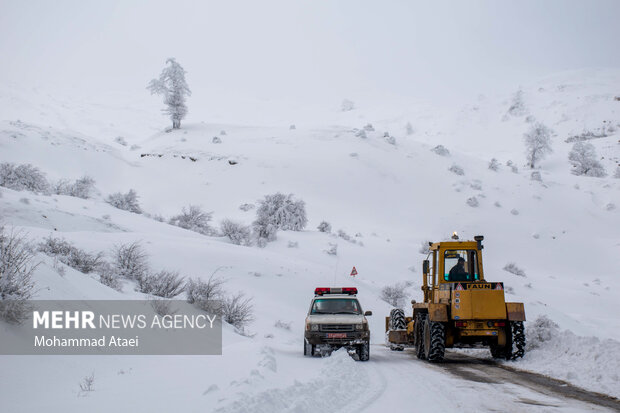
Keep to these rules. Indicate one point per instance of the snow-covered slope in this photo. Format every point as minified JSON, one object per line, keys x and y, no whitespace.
{"x":562,"y":231}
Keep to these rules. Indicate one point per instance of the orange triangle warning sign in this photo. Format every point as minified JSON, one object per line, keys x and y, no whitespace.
{"x":459,"y":287}
{"x":353,"y":272}
{"x":499,"y":286}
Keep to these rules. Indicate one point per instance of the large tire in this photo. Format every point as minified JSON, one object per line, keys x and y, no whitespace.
{"x":363,"y":351}
{"x":418,"y":336}
{"x":518,"y":339}
{"x":397,"y":319}
{"x":434,"y":340}
{"x":515,"y":343}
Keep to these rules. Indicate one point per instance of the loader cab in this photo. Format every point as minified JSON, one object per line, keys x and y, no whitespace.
{"x":443,"y":256}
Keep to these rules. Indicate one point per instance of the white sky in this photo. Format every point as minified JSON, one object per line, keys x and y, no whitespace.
{"x":305,"y":49}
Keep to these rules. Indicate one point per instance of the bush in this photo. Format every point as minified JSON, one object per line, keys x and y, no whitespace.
{"x":512,"y":268}
{"x":455,"y":169}
{"x":394,"y":295}
{"x":69,"y":254}
{"x":441,"y":150}
{"x":541,"y":331}
{"x":425,"y":247}
{"x":494,"y":165}
{"x":126,"y":202}
{"x":473,"y":202}
{"x":165,"y":284}
{"x":238,"y":310}
{"x":206,"y":295}
{"x":23,"y":177}
{"x":536,"y":176}
{"x":617,"y":173}
{"x":16,"y":269}
{"x":583,"y":159}
{"x":347,"y":105}
{"x":109,"y":277}
{"x":81,"y":188}
{"x":130,"y":261}
{"x":194,"y":219}
{"x":324,"y":226}
{"x":237,"y":233}
{"x":332,"y":250}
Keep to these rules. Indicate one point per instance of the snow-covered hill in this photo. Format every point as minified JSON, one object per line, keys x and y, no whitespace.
{"x":390,"y":196}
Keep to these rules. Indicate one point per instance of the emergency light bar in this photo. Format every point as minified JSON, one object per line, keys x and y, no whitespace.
{"x":328,"y":290}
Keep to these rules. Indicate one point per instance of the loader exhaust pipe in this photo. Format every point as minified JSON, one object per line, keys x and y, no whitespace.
{"x":478,"y":239}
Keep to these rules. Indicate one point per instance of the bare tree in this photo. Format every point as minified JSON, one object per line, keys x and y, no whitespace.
{"x":537,"y":143}
{"x":172,"y":85}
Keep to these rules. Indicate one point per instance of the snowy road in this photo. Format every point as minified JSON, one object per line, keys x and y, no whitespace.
{"x":471,"y":385}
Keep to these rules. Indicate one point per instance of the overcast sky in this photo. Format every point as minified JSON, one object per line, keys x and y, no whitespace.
{"x":305,"y":49}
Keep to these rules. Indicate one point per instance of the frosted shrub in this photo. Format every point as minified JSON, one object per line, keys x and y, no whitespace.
{"x":537,"y":143}
{"x":238,"y":310}
{"x":347,"y":105}
{"x":167,"y":284}
{"x":332,"y":250}
{"x":512,"y":268}
{"x":617,"y":173}
{"x":541,"y":331}
{"x":424,"y":247}
{"x":264,"y":231}
{"x":361,"y":134}
{"x":216,"y":139}
{"x":81,"y":188}
{"x":441,"y":150}
{"x":108,"y":276}
{"x":517,"y":107}
{"x":536,"y":176}
{"x":130,"y":261}
{"x":23,"y":177}
{"x":16,"y":268}
{"x":205,"y":294}
{"x":120,"y":140}
{"x":494,"y":165}
{"x":583,"y":159}
{"x":324,"y":226}
{"x":391,"y":140}
{"x":283,"y":212}
{"x":69,"y":254}
{"x":512,"y":166}
{"x":369,"y":127}
{"x":394,"y":295}
{"x":238,"y":234}
{"x":194,"y":219}
{"x":473,"y":202}
{"x":455,"y":169}
{"x":126,"y":202}
{"x":246,"y":207}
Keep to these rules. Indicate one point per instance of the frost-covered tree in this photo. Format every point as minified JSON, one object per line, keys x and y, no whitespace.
{"x":324,"y":226}
{"x":494,"y":165}
{"x":283,"y":212}
{"x":238,"y":234}
{"x":583,"y":159}
{"x":347,"y":105}
{"x":173,"y":87}
{"x":23,"y":177}
{"x":537,"y":143}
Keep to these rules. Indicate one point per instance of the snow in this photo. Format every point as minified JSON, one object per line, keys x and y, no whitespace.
{"x":564,"y":237}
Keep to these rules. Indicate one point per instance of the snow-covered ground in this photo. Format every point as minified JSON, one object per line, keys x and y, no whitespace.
{"x":389,"y":197}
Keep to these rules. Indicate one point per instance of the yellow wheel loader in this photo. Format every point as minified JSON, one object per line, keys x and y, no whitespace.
{"x":460,"y":308}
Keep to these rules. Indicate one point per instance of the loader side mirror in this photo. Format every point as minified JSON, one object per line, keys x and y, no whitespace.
{"x":368,"y":313}
{"x":425,"y":267}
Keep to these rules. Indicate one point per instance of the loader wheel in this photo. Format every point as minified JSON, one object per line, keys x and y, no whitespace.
{"x":420,"y":320}
{"x":518,"y":339}
{"x":397,"y":319}
{"x":434,"y":340}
